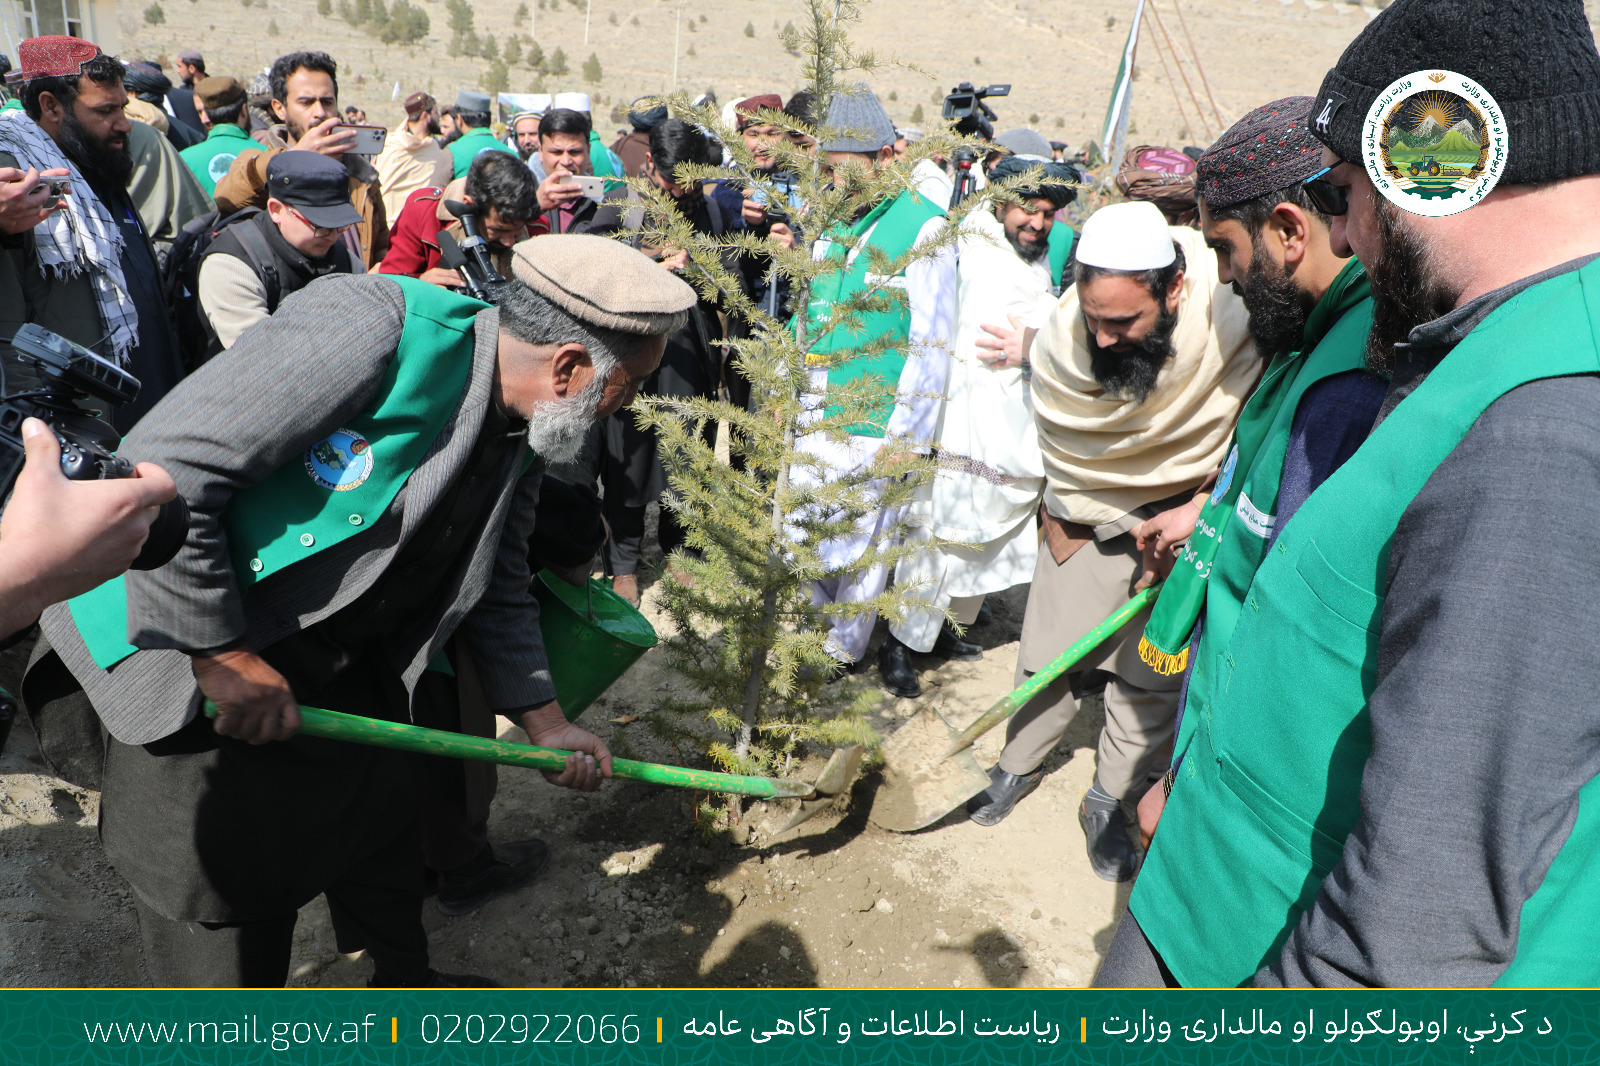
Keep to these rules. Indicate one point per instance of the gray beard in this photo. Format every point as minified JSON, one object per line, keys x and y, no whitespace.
{"x":558,"y":428}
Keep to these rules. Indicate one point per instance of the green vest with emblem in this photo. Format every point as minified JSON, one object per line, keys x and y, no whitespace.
{"x":1269,"y":787}
{"x":210,"y":159}
{"x":343,"y":483}
{"x":894,"y":226}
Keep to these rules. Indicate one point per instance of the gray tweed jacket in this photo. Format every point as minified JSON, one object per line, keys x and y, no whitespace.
{"x":287,"y":383}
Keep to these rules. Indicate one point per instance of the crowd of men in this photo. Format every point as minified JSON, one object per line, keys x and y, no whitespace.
{"x":1347,"y":745}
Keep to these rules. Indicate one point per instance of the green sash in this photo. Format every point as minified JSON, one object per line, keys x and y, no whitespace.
{"x":1062,"y":238}
{"x":1164,"y":645}
{"x":1270,"y":783}
{"x":895,"y":225}
{"x":342,"y":483}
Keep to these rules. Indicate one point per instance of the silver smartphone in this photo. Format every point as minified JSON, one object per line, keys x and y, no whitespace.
{"x":594,"y":188}
{"x":369,"y":139}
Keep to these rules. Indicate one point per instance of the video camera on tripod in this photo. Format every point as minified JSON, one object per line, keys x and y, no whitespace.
{"x":971,"y":117}
{"x":471,"y":257}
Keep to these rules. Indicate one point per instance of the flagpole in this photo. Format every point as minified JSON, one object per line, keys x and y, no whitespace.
{"x":1115,"y":132}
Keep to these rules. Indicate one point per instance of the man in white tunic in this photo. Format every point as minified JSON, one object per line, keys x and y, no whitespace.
{"x":913,"y":372}
{"x":980,"y":508}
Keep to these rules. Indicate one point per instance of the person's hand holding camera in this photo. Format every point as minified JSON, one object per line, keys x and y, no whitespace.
{"x":443,"y":277}
{"x":254,"y":701}
{"x":26,"y":199}
{"x":558,"y":191}
{"x":61,"y":538}
{"x":326,"y":138}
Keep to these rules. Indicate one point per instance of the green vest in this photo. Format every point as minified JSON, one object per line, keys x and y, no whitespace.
{"x":895,"y":225}
{"x":1059,"y":244}
{"x":343,"y":483}
{"x":600,"y":157}
{"x":1335,"y":336}
{"x":1270,"y":783}
{"x":465,"y":148}
{"x":210,"y":159}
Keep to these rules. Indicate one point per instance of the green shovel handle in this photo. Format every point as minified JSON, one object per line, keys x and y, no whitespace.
{"x":1008,"y":704}
{"x":354,"y":729}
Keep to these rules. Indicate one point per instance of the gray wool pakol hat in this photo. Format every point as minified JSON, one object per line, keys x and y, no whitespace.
{"x":1025,"y":142}
{"x":603,"y":282}
{"x":858,"y":122}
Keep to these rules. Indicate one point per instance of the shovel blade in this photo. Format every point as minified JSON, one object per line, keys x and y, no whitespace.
{"x":835,"y":780}
{"x":921,"y":784}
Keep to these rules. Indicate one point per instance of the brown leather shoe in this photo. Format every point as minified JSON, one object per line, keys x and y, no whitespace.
{"x":627,"y":586}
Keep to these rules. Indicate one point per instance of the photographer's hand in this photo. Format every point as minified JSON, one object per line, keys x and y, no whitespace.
{"x":444,"y":277}
{"x":23,"y":196}
{"x":674,"y":259}
{"x":590,"y":761}
{"x":556,"y":191}
{"x":254,"y":701}
{"x":754,"y":213}
{"x":781,"y":235}
{"x":323,"y":139}
{"x":61,"y":538}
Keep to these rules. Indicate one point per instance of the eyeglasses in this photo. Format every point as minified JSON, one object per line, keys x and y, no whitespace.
{"x":1329,"y":198}
{"x":320,"y":231}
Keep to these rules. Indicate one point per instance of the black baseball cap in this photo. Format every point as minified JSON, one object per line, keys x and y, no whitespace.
{"x":315,"y":185}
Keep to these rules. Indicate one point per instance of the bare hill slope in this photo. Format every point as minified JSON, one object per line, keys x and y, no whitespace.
{"x":1059,"y":55}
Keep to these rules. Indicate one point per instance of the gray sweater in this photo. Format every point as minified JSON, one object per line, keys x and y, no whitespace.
{"x":1483,"y":718}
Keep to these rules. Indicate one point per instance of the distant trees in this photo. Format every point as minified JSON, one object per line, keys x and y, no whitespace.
{"x":558,"y":63}
{"x":154,"y":15}
{"x":749,"y":29}
{"x":495,"y":78}
{"x":591,"y":69}
{"x":407,"y":24}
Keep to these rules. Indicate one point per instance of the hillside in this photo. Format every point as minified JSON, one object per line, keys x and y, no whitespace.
{"x":1059,"y":55}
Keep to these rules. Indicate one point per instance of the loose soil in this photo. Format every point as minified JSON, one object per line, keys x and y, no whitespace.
{"x":635,"y":896}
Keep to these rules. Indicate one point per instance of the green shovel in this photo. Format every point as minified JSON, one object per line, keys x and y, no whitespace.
{"x":355,"y":729}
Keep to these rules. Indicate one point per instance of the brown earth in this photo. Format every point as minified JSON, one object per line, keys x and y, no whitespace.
{"x":634,"y":896}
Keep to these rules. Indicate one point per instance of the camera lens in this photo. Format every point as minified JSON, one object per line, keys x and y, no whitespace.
{"x":167,"y":534}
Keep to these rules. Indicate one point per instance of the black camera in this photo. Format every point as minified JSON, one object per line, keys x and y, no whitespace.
{"x":470,"y":257}
{"x":972,"y":118}
{"x":965,"y":107}
{"x":71,"y":373}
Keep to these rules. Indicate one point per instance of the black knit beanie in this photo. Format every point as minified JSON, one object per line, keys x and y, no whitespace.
{"x":1537,"y":59}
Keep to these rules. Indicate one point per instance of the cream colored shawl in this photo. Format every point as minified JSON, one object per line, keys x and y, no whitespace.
{"x":1105,"y":457}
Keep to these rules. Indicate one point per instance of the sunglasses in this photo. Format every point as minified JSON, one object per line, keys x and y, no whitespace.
{"x":1329,"y":198}
{"x":320,"y":231}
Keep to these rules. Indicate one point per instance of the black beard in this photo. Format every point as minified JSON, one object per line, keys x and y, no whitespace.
{"x":526,"y":153}
{"x":110,"y":167}
{"x":433,"y":127}
{"x":1278,"y":308}
{"x":451,"y":137}
{"x":1131,"y":375}
{"x":1028,"y":253}
{"x":1405,"y":291}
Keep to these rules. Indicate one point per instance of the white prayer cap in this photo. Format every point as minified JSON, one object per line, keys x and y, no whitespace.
{"x":574,"y":101}
{"x":1129,"y":236}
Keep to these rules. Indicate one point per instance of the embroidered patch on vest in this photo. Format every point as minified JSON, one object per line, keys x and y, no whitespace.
{"x":341,"y":461}
{"x":1435,"y":143}
{"x":1225,"y":478}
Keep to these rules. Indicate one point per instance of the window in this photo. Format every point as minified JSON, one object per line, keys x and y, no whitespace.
{"x":41,"y":17}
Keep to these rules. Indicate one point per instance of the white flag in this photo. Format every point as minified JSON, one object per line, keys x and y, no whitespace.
{"x":1116,"y":128}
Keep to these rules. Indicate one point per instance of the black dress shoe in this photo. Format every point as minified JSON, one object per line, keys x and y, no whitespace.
{"x":507,"y":866}
{"x":1005,"y":791}
{"x":894,"y":667}
{"x":435,"y":979}
{"x":950,"y":646}
{"x":1111,"y":849}
{"x":985,"y":615}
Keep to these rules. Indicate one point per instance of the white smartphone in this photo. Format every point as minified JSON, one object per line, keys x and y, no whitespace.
{"x":594,"y":188}
{"x":369,"y":139}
